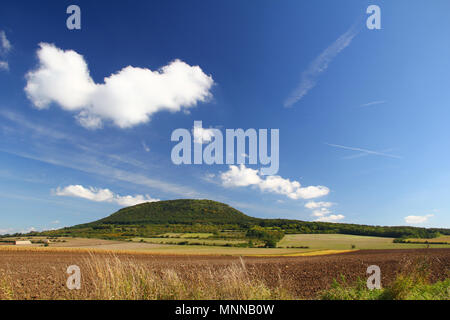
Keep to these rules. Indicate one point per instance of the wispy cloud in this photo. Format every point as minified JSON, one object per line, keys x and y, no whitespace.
{"x":4,"y":65}
{"x":373,"y":103}
{"x":16,"y":230}
{"x":145,"y":146}
{"x":364,"y":151}
{"x":319,"y":65}
{"x":5,"y":47}
{"x":90,"y":160}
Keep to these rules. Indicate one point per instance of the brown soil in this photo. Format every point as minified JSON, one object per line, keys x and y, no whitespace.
{"x":38,"y":275}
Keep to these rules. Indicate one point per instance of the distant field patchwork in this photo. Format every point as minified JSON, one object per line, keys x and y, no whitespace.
{"x":343,"y":242}
{"x":201,"y":243}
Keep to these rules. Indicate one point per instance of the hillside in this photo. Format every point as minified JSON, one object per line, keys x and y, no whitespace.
{"x":182,"y":211}
{"x":188,"y":215}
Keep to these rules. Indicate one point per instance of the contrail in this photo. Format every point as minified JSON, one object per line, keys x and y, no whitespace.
{"x":364,"y":151}
{"x":373,"y":103}
{"x":319,"y":65}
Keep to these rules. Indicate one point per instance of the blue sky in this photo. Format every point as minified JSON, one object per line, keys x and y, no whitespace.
{"x":370,"y":126}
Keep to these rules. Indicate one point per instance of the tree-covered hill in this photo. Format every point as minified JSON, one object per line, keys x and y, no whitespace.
{"x":182,"y":211}
{"x":188,"y":215}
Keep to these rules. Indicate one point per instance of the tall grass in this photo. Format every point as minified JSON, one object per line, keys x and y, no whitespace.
{"x":108,"y":277}
{"x":122,"y":279}
{"x":413,"y":283}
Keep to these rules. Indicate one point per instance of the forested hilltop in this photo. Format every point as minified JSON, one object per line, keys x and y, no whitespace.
{"x":188,"y":215}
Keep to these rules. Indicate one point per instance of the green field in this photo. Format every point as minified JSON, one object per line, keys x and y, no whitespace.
{"x":193,"y":235}
{"x":190,"y":240}
{"x":438,"y":239}
{"x":343,"y":241}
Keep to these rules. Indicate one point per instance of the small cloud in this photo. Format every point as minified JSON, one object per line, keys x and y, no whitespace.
{"x":5,"y":45}
{"x":418,"y":219}
{"x":4,"y":65}
{"x":322,"y":212}
{"x":7,"y":231}
{"x":242,"y":177}
{"x":13,"y":230}
{"x":146,"y":148}
{"x":55,"y":222}
{"x":331,"y":218}
{"x":320,"y":204}
{"x":202,"y":135}
{"x":102,"y":195}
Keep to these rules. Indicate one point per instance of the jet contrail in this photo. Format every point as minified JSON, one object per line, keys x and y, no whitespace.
{"x":373,"y":103}
{"x":320,"y":64}
{"x":364,"y":150}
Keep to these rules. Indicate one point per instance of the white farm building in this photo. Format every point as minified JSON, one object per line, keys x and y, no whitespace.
{"x":22,"y":242}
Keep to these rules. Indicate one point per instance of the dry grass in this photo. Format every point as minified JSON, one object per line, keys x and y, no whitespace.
{"x":113,"y":278}
{"x":119,"y":279}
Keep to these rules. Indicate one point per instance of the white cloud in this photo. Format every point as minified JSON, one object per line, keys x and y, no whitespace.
{"x":7,"y":231}
{"x":242,"y":176}
{"x":418,"y":219}
{"x":127,"y":98}
{"x":202,"y":135}
{"x":102,"y":195}
{"x":316,"y":205}
{"x":331,"y":218}
{"x":4,"y":65}
{"x":319,"y":65}
{"x":55,"y":222}
{"x":5,"y":45}
{"x":15,"y":230}
{"x":322,"y":211}
{"x":145,"y":146}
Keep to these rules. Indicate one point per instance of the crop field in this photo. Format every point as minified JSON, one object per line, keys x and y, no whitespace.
{"x":343,"y":241}
{"x":190,"y":241}
{"x":40,"y":273}
{"x":438,"y":239}
{"x":200,"y":243}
